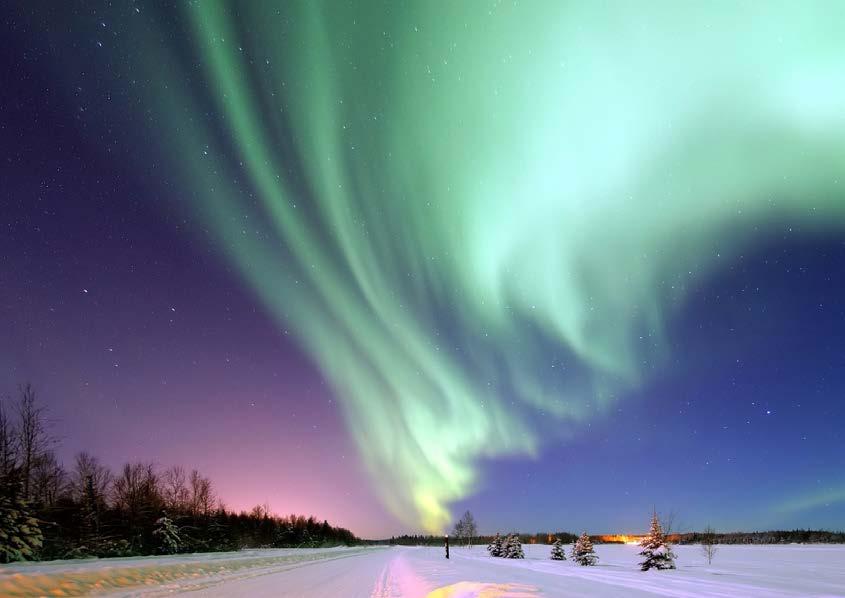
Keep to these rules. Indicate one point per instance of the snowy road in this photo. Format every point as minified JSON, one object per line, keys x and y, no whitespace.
{"x":737,"y":571}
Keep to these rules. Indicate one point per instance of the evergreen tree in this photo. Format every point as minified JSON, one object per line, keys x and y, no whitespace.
{"x":285,"y":536}
{"x":20,"y":536}
{"x":513,"y":548}
{"x":495,"y":547}
{"x":583,"y":553}
{"x":219,"y":537}
{"x":558,"y":554}
{"x":167,"y":535}
{"x":656,"y":551}
{"x":88,"y":517}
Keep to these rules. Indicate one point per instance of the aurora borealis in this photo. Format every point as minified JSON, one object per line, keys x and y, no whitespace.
{"x":458,"y":172}
{"x":483,"y":222}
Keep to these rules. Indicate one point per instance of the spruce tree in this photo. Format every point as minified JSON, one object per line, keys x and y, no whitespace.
{"x":167,"y":535}
{"x":495,"y":546}
{"x":89,"y":520}
{"x":513,"y":548}
{"x":656,"y":551}
{"x":20,"y":536}
{"x":583,"y":552}
{"x":558,"y":554}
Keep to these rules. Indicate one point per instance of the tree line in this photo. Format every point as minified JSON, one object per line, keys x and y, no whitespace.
{"x":437,"y":540}
{"x":48,"y":511}
{"x":797,"y":536}
{"x":707,"y":537}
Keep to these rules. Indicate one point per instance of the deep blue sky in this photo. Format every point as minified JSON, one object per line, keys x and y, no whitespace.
{"x":145,"y":345}
{"x":747,"y":415}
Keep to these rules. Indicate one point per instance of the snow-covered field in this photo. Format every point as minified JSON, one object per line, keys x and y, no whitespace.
{"x":736,"y":572}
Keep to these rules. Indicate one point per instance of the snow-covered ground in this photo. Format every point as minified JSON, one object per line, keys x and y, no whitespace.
{"x":381,"y":572}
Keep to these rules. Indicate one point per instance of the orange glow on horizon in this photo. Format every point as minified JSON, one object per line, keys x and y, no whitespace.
{"x":621,"y":538}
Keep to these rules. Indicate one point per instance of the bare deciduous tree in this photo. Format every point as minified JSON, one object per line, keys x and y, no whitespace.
{"x":174,"y":489}
{"x":465,"y":529}
{"x":135,"y":491}
{"x":669,"y":523}
{"x":33,"y":438}
{"x":259,"y":511}
{"x":49,"y":479}
{"x":8,"y":455}
{"x":671,"y":527}
{"x":708,"y":543}
{"x":202,"y":495}
{"x":89,"y":479}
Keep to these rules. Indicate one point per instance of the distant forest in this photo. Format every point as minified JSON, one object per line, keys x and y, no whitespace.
{"x":49,"y":512}
{"x":798,"y":536}
{"x":429,"y":540}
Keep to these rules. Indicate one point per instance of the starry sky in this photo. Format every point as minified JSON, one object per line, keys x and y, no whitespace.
{"x":381,"y":262}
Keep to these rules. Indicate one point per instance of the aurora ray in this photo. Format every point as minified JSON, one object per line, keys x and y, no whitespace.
{"x":478,"y":217}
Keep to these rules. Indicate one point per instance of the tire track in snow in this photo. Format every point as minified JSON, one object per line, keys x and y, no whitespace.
{"x":399,"y":580}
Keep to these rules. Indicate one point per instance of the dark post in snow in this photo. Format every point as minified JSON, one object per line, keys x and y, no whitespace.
{"x":447,"y":545}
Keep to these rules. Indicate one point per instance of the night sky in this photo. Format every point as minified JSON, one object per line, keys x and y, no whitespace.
{"x":380,"y":263}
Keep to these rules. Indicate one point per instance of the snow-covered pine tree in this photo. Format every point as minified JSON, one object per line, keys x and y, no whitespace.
{"x":20,"y":536}
{"x":558,"y":554}
{"x":513,"y":548}
{"x":656,"y":551}
{"x":167,"y":535}
{"x":583,"y":552}
{"x":495,"y":546}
